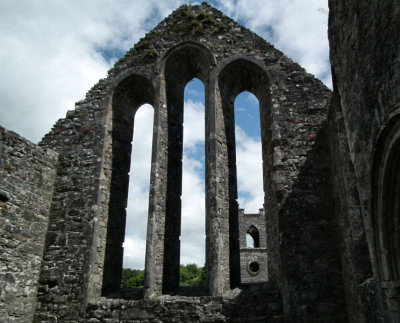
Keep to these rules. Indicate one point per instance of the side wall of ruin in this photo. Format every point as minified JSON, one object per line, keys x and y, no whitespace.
{"x":27,"y":175}
{"x":365,"y":59}
{"x":75,"y":237}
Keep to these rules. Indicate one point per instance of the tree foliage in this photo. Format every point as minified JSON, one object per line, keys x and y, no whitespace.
{"x":132,"y":278}
{"x":189,"y":275}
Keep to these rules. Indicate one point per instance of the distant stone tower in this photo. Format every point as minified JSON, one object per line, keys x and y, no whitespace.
{"x":325,"y":243}
{"x":253,"y":247}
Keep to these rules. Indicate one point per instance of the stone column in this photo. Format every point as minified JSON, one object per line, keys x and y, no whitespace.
{"x":154,"y":262}
{"x":217,"y":194}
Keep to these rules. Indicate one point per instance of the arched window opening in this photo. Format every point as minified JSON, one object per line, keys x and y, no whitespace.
{"x":193,"y":186}
{"x":252,"y":238}
{"x":183,"y":63}
{"x":386,"y":210}
{"x":138,"y":199}
{"x":130,"y":94}
{"x":238,"y":76}
{"x":249,"y":241}
{"x":248,"y":152}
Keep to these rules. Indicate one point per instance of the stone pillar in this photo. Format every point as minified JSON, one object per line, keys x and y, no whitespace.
{"x":217,"y":195}
{"x":154,"y":262}
{"x":174,"y":92}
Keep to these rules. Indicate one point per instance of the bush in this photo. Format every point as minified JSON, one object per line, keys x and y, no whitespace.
{"x":191,"y":275}
{"x":132,"y":278}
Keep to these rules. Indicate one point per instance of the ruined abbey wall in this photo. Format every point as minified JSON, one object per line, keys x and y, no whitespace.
{"x":27,"y":174}
{"x":93,"y":143}
{"x":365,"y":55}
{"x":329,"y":168}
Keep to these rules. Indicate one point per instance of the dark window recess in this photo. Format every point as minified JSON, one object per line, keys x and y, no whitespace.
{"x":254,"y":267}
{"x":4,"y":196}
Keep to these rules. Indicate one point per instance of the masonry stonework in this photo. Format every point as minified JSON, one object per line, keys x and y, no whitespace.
{"x":27,"y":174}
{"x":325,"y":241}
{"x":365,"y":59}
{"x":253,"y":247}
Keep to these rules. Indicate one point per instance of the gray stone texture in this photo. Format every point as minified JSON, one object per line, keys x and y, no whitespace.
{"x":327,"y":241}
{"x":365,"y":58}
{"x":83,"y":258}
{"x":27,"y":174}
{"x":259,"y":304}
{"x":253,"y":258}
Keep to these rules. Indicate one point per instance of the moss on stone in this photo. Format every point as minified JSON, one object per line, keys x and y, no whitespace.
{"x":152,"y":53}
{"x":8,"y":167}
{"x":201,"y":16}
{"x":3,"y":206}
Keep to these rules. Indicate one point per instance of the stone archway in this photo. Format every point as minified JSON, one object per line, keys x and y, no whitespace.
{"x":237,"y":75}
{"x":386,"y":211}
{"x":128,"y":96}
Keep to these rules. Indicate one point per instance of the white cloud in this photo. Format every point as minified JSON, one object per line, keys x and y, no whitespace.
{"x":193,"y":213}
{"x":134,"y":253}
{"x":296,"y":27}
{"x":249,"y":172}
{"x":193,"y":132}
{"x":193,"y":194}
{"x":53,"y":53}
{"x":139,"y":182}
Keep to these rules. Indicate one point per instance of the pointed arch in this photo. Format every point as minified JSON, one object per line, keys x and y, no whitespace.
{"x":193,"y":176}
{"x":386,"y":209}
{"x":235,"y":76}
{"x":182,"y":63}
{"x":253,"y":232}
{"x":128,"y":96}
{"x":248,"y":152}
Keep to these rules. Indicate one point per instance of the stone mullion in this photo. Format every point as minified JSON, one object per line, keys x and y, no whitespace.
{"x":211,"y":187}
{"x":175,"y":101}
{"x":233,"y":228}
{"x":97,"y":254}
{"x":217,"y":224}
{"x":271,"y":156}
{"x":157,"y":201}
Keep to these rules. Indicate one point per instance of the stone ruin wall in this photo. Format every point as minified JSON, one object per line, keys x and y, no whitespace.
{"x":319,"y":234}
{"x":27,"y":174}
{"x":364,"y":51}
{"x":72,"y":265}
{"x":298,"y":108}
{"x":78,"y":198}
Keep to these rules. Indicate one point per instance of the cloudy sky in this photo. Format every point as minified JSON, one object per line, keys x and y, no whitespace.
{"x":53,"y":52}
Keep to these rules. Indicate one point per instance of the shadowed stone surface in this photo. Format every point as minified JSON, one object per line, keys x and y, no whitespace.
{"x":365,"y":58}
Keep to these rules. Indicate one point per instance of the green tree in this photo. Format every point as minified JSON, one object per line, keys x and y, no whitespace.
{"x":132,"y":278}
{"x":191,"y":275}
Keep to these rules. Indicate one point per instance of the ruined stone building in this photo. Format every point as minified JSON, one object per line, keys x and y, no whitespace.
{"x":328,"y":248}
